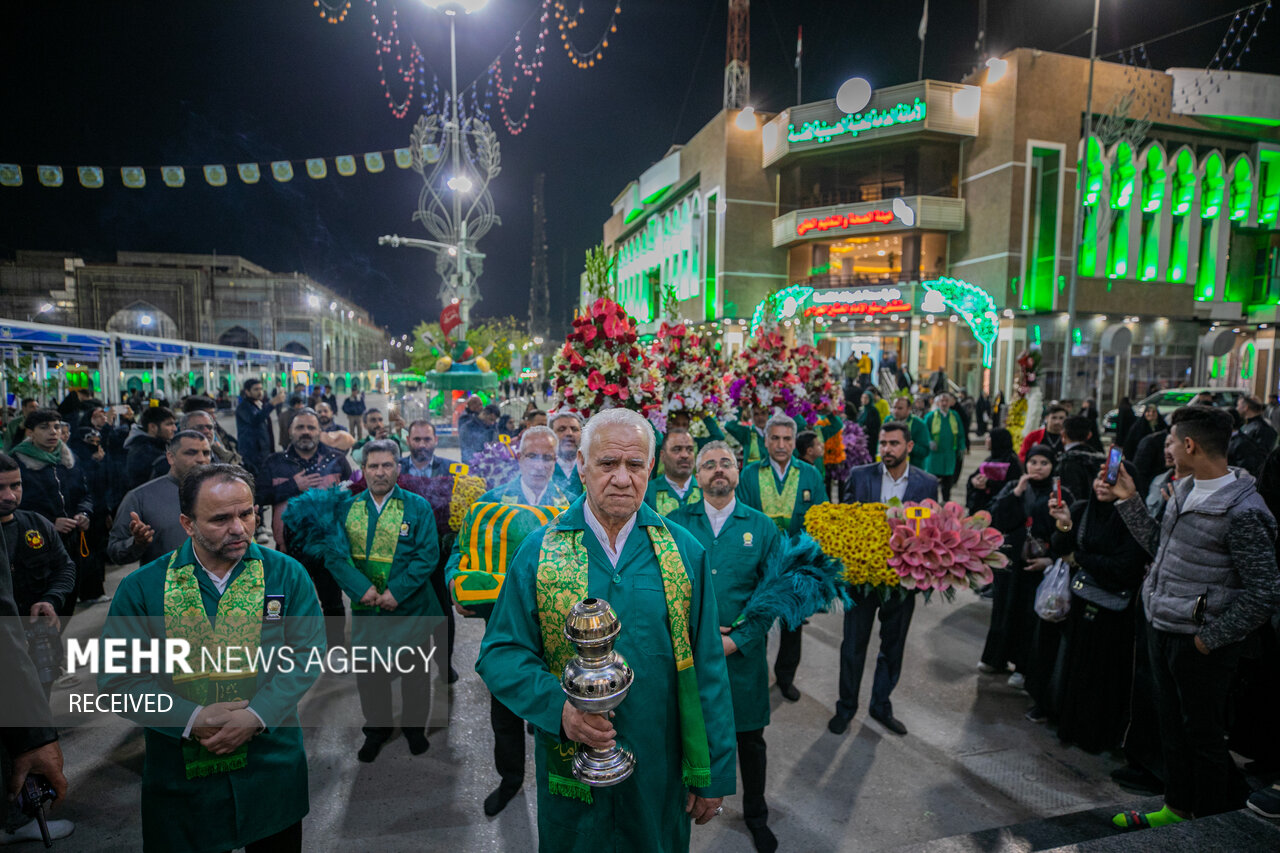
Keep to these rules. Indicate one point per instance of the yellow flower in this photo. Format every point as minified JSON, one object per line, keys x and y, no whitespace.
{"x":858,"y":536}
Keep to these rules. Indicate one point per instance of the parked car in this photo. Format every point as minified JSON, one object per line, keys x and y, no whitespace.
{"x":1174,"y":398}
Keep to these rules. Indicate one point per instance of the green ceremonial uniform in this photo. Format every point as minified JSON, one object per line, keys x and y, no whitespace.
{"x":645,"y":812}
{"x":714,"y":433}
{"x":570,"y":485}
{"x":664,"y":499}
{"x":809,"y":490}
{"x":740,"y":555}
{"x":508,"y":493}
{"x":753,"y":447}
{"x":223,"y":810}
{"x":920,"y":440}
{"x":948,"y":432}
{"x":414,"y":552}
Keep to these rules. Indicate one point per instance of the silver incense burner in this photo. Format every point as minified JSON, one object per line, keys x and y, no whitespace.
{"x":596,"y":682}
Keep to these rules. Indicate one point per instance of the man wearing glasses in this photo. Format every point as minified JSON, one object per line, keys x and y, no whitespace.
{"x":537,"y":458}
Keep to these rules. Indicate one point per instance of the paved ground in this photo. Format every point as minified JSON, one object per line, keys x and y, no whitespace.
{"x":971,"y":775}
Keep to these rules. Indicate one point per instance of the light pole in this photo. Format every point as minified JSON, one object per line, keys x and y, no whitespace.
{"x":1063,"y":393}
{"x":453,"y":228}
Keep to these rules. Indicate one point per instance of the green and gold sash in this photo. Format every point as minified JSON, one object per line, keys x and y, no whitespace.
{"x":238,"y":624}
{"x":562,"y":583}
{"x":667,"y":502}
{"x":373,"y":558}
{"x":779,"y":506}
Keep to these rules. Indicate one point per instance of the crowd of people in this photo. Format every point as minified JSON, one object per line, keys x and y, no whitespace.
{"x":1167,"y":649}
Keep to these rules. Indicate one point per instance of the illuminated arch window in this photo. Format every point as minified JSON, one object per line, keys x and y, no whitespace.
{"x":1183,"y":169}
{"x":1240,"y":192}
{"x":1093,"y":192}
{"x":1123,"y":181}
{"x":1153,"y":190}
{"x":1212,"y":193}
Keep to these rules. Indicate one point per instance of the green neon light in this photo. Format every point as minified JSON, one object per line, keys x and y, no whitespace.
{"x":1268,"y":187}
{"x":1149,"y":273}
{"x":632,"y":215}
{"x":1035,"y":335}
{"x":855,"y":123}
{"x":1153,"y":181}
{"x":974,"y":305}
{"x":1213,"y":187}
{"x":1122,"y":178}
{"x":1094,"y":189}
{"x":798,"y":292}
{"x":1076,"y":337}
{"x":1247,"y":356}
{"x":1184,"y":182}
{"x":1215,"y":368}
{"x":1241,"y":192}
{"x":146,"y":376}
{"x":652,"y":197}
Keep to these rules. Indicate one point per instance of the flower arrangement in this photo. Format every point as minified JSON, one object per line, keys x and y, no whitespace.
{"x":945,"y":551}
{"x":496,"y":464}
{"x":600,"y":366}
{"x":886,"y":551}
{"x":855,"y":450}
{"x":466,"y":491}
{"x":685,"y":373}
{"x":821,"y":393}
{"x":858,"y":536}
{"x":1016,"y":421}
{"x":761,"y":375}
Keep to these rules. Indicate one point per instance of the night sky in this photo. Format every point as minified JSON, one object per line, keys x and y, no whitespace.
{"x":161,"y":82}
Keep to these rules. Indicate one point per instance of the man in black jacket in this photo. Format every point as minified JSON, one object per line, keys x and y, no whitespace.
{"x":28,"y":740}
{"x":147,"y":442}
{"x":1078,"y":465}
{"x":1256,"y":425}
{"x":253,"y":424}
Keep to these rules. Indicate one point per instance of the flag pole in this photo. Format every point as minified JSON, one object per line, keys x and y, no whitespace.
{"x":799,"y":54}
{"x":924,"y":27}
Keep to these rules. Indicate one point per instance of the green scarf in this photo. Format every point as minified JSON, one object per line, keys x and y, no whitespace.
{"x":373,"y":557}
{"x":668,"y":502}
{"x":935,"y":424}
{"x":562,"y":583}
{"x":779,"y":507}
{"x":48,"y":457}
{"x":238,"y":625}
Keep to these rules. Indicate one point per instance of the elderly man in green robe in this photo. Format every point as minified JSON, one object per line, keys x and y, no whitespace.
{"x":386,"y":572}
{"x":675,"y":487}
{"x":225,"y":765}
{"x":743,"y":545}
{"x":783,"y":488}
{"x":677,"y":719}
{"x":534,"y":487}
{"x":748,"y":431}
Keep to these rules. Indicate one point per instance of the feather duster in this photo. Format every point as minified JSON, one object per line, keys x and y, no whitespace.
{"x":316,"y":521}
{"x":799,"y":581}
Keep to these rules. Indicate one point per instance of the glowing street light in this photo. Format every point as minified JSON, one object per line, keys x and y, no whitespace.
{"x":460,"y":184}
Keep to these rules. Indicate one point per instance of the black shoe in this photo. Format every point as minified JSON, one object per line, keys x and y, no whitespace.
{"x":1036,"y":715}
{"x":890,"y":722}
{"x":453,"y":675}
{"x":764,"y":839}
{"x":418,"y":742}
{"x":789,"y":692}
{"x":1137,"y":779}
{"x":372,"y":746}
{"x":838,"y":725}
{"x":497,"y":801}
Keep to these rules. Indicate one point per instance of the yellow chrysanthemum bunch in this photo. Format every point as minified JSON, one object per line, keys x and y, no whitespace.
{"x":858,"y":536}
{"x":466,"y":491}
{"x":1016,"y":422}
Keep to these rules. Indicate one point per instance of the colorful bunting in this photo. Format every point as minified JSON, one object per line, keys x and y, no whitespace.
{"x":346,"y":165}
{"x":50,"y":176}
{"x":373,"y":161}
{"x":316,"y":168}
{"x":174,"y":176}
{"x":10,"y":175}
{"x":134,"y":177}
{"x":403,"y":158}
{"x":90,"y":177}
{"x":249,"y":172}
{"x":216,"y":175}
{"x":282,"y":170}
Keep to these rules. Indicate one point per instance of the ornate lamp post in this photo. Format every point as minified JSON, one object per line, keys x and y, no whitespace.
{"x":457,"y":156}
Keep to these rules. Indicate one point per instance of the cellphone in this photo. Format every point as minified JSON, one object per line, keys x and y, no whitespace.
{"x":1113,"y":464}
{"x":1057,"y":489}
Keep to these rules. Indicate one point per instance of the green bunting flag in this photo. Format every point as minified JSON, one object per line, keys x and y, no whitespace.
{"x":174,"y":176}
{"x":133,"y":177}
{"x":216,"y":175}
{"x":10,"y":175}
{"x":249,"y":172}
{"x":90,"y":177}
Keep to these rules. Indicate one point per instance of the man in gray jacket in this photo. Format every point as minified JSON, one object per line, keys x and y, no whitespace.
{"x":1213,"y":583}
{"x":147,"y":525}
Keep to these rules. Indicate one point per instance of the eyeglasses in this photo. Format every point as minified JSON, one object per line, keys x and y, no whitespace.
{"x":712,"y":464}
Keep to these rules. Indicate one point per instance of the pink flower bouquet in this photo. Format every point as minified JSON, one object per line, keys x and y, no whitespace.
{"x":946,"y":551}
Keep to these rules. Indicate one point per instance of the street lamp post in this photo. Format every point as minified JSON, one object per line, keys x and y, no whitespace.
{"x":454,"y":229}
{"x":1072,"y":279}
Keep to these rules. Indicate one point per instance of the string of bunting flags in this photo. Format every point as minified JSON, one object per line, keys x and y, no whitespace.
{"x":215,"y":174}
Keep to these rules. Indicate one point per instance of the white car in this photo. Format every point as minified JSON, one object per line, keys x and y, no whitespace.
{"x":1174,"y":398}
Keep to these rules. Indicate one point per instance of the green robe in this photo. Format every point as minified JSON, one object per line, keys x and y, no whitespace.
{"x":509,"y":493}
{"x":810,"y":484}
{"x":222,"y":811}
{"x":920,"y":438}
{"x":646,"y":812}
{"x":753,"y":447}
{"x":740,"y":555}
{"x":944,"y":461}
{"x":571,"y":485}
{"x":417,"y":554}
{"x":661,"y":497}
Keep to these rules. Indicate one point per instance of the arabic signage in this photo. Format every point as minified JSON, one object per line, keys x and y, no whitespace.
{"x":865,"y":302}
{"x":841,"y":221}
{"x":853,"y":124}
